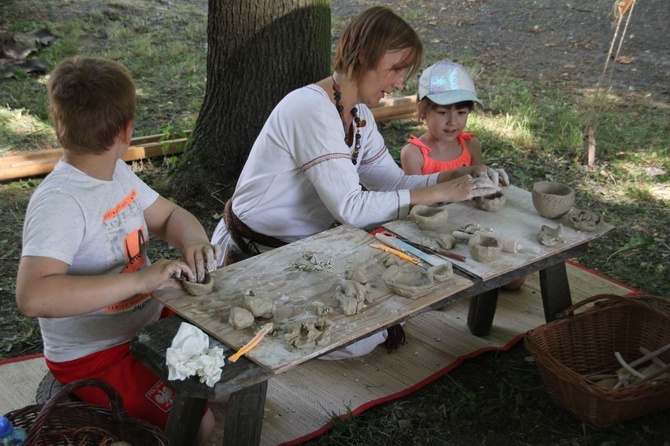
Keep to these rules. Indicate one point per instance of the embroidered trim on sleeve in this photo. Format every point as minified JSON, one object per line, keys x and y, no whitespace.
{"x":332,"y":156}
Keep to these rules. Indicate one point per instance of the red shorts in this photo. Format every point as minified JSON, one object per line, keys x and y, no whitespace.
{"x":144,"y":395}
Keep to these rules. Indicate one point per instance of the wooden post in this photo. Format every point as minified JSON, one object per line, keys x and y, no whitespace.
{"x":589,"y":145}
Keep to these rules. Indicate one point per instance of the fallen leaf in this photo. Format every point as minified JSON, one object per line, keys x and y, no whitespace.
{"x":625,"y":59}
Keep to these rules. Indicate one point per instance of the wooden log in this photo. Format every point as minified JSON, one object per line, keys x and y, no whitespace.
{"x":42,"y":162}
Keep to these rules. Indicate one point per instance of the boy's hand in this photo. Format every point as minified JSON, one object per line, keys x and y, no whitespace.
{"x":161,"y":275}
{"x":202,"y":258}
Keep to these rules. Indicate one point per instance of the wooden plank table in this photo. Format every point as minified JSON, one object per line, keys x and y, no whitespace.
{"x":518,"y":220}
{"x":297,"y":293}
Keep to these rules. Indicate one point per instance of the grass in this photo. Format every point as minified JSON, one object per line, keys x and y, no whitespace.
{"x":532,"y":129}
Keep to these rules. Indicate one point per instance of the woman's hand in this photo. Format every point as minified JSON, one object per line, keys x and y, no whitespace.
{"x":468,"y":187}
{"x":202,"y":258}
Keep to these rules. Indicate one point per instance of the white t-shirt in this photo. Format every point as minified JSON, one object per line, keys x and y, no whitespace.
{"x":299,"y":177}
{"x":96,"y":227}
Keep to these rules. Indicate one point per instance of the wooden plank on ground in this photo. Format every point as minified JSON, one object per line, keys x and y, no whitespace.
{"x":42,"y":162}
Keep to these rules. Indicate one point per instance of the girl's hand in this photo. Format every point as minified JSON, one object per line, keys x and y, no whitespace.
{"x":202,"y":258}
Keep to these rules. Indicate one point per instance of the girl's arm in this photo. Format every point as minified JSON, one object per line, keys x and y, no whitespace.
{"x":411,"y":160}
{"x":475,"y":148}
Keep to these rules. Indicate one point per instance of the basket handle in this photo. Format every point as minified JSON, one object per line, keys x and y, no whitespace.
{"x":115,"y":402}
{"x":610,"y":299}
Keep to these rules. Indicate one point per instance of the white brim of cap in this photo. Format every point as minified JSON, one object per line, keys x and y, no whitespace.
{"x":454,"y":97}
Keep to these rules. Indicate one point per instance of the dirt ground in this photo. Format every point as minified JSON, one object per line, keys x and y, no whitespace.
{"x":565,"y":42}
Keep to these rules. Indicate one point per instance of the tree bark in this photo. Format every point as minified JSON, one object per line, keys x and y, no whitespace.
{"x":258,"y":51}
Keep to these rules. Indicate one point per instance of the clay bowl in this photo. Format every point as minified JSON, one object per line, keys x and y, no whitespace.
{"x":484,"y":248}
{"x":552,"y":200}
{"x":429,"y":217}
{"x":408,"y":280}
{"x":491,"y":203}
{"x":198,"y":289}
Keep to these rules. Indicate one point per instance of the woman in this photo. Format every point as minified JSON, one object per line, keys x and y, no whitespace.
{"x":320,"y":160}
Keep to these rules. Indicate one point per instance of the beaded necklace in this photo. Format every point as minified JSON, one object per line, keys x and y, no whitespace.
{"x":358,"y":123}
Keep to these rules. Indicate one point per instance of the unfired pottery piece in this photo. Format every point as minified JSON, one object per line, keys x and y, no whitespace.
{"x":408,"y":280}
{"x":262,"y":307}
{"x":429,"y":217}
{"x":491,"y":203}
{"x":309,"y":334}
{"x":484,"y":248}
{"x":240,"y":318}
{"x":442,"y":272}
{"x":446,"y":241}
{"x":358,"y":274}
{"x":552,"y":200}
{"x":549,"y":236}
{"x":198,"y":289}
{"x":352,"y":296}
{"x":585,"y":220}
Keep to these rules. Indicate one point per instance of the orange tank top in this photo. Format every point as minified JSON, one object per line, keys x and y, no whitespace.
{"x":433,"y":166}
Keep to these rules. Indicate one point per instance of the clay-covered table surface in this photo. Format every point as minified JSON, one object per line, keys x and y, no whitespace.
{"x":518,"y":220}
{"x":297,"y":294}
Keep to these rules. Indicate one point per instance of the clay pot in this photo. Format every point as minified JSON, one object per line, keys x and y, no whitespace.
{"x":429,"y":217}
{"x":491,"y":203}
{"x":552,"y":200}
{"x":408,"y":280}
{"x":198,"y":289}
{"x":484,"y":248}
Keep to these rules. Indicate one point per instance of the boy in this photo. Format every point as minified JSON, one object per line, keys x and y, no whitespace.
{"x":84,"y":271}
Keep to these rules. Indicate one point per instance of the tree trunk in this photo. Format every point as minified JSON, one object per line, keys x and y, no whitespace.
{"x":258,"y":51}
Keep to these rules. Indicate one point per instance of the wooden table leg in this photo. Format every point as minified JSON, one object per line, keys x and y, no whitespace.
{"x":184,"y":420}
{"x":555,"y":290}
{"x":244,"y":416}
{"x":481,"y":312}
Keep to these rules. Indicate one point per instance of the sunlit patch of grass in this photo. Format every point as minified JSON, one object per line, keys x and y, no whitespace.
{"x":19,"y":130}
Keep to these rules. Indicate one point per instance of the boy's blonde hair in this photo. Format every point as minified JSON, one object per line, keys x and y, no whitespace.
{"x":91,"y":100}
{"x":370,"y":36}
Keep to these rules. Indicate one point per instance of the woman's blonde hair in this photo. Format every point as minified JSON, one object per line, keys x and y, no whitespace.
{"x":372,"y":34}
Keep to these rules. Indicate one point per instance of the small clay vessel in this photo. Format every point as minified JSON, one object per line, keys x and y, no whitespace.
{"x":552,"y":200}
{"x":491,"y":203}
{"x":197,"y":288}
{"x":585,"y":220}
{"x":429,"y":217}
{"x":549,"y":236}
{"x":441,"y":272}
{"x":484,"y":248}
{"x":408,"y":280}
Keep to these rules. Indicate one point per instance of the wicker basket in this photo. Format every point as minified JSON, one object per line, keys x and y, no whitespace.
{"x":60,"y":422}
{"x":584,"y":343}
